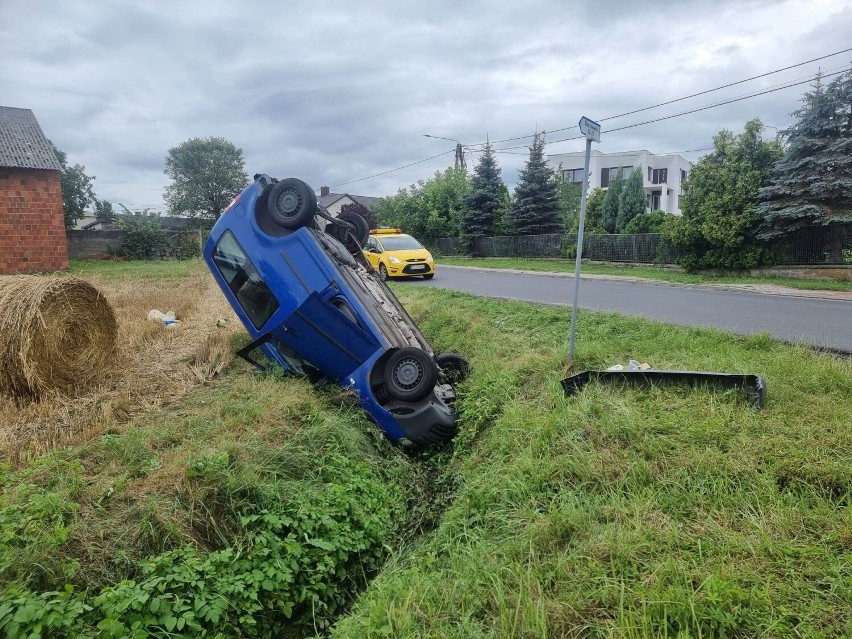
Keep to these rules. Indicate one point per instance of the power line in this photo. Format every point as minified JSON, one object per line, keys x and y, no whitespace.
{"x":696,"y":110}
{"x":399,"y":168}
{"x":725,"y":86}
{"x":718,"y":104}
{"x":686,"y":97}
{"x":508,"y":149}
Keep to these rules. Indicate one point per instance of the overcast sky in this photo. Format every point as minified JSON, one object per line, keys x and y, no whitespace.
{"x":333,"y":91}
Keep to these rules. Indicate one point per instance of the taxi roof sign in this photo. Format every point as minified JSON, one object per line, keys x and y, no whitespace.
{"x":384,"y":231}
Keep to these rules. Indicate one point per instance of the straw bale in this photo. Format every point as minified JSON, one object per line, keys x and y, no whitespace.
{"x":56,"y":334}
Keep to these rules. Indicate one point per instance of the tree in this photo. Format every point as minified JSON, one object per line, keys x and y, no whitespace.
{"x":718,"y":228}
{"x":77,"y":191}
{"x":363,"y":211}
{"x":428,"y":209}
{"x":594,"y":210}
{"x":104,"y":211}
{"x":483,"y":203}
{"x":206,"y":175}
{"x":812,"y":184}
{"x":569,"y":204}
{"x":632,"y":200}
{"x":536,"y":206}
{"x":609,"y":213}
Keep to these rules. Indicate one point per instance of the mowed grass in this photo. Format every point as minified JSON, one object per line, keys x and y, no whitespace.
{"x":646,"y":272}
{"x":624,"y":512}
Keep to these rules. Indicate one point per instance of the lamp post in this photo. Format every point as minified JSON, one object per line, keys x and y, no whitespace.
{"x":459,"y":149}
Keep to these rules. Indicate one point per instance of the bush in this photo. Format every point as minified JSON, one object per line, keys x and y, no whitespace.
{"x":142,"y":234}
{"x":649,"y":222}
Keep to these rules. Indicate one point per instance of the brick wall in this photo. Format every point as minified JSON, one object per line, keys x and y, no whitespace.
{"x":32,"y":227}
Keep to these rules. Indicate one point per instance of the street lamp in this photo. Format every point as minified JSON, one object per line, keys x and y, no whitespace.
{"x":459,"y":149}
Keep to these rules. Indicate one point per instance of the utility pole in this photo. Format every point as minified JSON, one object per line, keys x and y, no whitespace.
{"x":592,"y":131}
{"x":460,"y":161}
{"x":460,"y":156}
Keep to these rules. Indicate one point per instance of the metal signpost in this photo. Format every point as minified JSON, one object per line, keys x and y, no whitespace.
{"x":592,"y":131}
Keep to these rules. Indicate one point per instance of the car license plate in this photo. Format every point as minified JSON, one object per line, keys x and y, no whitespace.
{"x":418,"y":267}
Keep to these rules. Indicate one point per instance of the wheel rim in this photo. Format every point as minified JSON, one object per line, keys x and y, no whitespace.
{"x":289,"y":202}
{"x":408,"y":374}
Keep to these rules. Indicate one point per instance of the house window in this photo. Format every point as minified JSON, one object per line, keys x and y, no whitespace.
{"x":573,"y":176}
{"x":660,"y":176}
{"x":606,"y":174}
{"x":682,"y":175}
{"x":655,"y":200}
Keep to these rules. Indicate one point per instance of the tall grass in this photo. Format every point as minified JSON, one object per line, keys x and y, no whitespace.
{"x":626,"y":512}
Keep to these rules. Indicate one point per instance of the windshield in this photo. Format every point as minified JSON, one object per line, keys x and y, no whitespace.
{"x":400,"y":243}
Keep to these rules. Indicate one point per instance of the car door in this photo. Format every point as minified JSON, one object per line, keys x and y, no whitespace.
{"x":373,"y":252}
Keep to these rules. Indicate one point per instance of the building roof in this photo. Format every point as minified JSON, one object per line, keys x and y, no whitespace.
{"x":327,"y":200}
{"x":23,"y":144}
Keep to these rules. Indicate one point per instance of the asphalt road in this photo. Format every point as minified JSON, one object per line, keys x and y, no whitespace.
{"x":815,"y":322}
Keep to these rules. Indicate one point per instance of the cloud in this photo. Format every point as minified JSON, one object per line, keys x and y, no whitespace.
{"x":333,"y":91}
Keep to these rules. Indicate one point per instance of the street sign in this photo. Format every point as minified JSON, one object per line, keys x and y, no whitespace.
{"x":591,"y":129}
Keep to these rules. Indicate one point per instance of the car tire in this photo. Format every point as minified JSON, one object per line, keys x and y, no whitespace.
{"x":454,"y":366}
{"x":429,"y":276}
{"x":291,"y":204}
{"x":383,"y":273}
{"x":410,"y":374}
{"x":355,"y":226}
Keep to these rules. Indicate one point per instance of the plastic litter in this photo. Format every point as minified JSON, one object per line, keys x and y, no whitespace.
{"x":168,"y":319}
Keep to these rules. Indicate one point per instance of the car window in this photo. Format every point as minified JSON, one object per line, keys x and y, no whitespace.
{"x":245,"y":282}
{"x":400,"y":243}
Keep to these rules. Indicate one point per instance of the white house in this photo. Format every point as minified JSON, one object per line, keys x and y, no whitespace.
{"x":663,"y":174}
{"x":333,"y":202}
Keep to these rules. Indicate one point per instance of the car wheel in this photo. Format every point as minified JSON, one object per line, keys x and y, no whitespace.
{"x":355,"y":226}
{"x":383,"y":273}
{"x":429,"y":276}
{"x":410,"y":374}
{"x":454,"y":366}
{"x":291,"y":203}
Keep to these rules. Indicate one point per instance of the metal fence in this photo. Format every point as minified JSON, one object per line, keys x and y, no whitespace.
{"x":648,"y":248}
{"x":816,"y":245}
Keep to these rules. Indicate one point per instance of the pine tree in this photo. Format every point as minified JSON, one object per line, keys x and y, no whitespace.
{"x":536,"y":207}
{"x":609,"y":215}
{"x":812,"y":184}
{"x":482,"y":205}
{"x":632,"y":200}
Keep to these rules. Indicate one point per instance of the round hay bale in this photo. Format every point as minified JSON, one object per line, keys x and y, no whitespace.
{"x":56,"y":333}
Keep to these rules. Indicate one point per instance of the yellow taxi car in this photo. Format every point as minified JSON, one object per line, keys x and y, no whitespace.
{"x":395,"y":254}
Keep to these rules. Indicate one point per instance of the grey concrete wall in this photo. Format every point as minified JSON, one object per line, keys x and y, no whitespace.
{"x":84,"y":245}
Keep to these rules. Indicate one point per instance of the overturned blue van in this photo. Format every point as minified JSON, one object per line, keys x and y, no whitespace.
{"x":314,"y":305}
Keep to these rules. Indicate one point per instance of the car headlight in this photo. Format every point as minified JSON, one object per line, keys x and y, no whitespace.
{"x":430,"y":259}
{"x":394,"y":260}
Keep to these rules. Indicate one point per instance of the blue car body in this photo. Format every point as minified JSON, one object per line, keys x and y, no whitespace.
{"x":315,"y":309}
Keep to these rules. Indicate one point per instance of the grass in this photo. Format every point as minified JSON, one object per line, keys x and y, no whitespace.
{"x":618,"y":513}
{"x":627,"y":512}
{"x":646,"y":272}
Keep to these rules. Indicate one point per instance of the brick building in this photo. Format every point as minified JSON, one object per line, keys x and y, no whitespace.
{"x":32,"y":225}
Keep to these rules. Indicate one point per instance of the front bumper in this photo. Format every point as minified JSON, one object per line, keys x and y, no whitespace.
{"x":410,"y":269}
